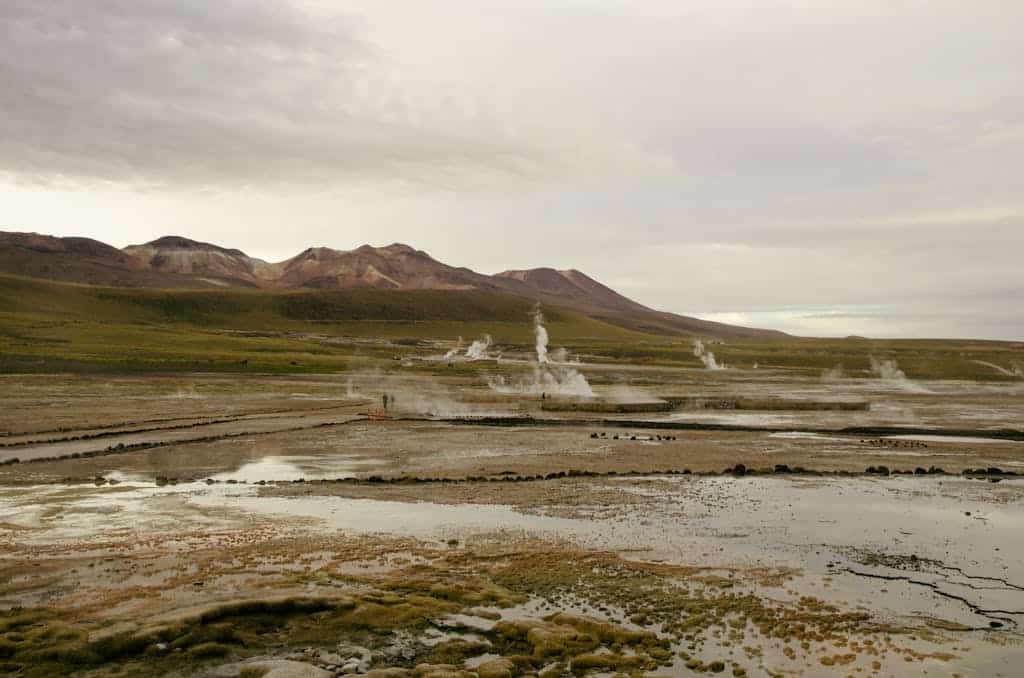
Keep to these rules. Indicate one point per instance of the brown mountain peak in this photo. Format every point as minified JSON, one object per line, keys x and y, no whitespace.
{"x":176,"y":261}
{"x":177,"y":242}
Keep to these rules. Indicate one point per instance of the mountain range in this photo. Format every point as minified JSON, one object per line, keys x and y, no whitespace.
{"x":177,"y":262}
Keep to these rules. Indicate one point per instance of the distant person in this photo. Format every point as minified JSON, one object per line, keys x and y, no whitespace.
{"x":385,"y":399}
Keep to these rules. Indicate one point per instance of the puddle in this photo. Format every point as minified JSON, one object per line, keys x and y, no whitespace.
{"x":801,"y":435}
{"x":908,"y":549}
{"x":412,"y":519}
{"x":285,"y":468}
{"x":953,"y":547}
{"x":51,"y":514}
{"x":739,"y":418}
{"x":854,"y":530}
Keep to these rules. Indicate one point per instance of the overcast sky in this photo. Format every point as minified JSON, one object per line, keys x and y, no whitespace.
{"x":824,"y":168}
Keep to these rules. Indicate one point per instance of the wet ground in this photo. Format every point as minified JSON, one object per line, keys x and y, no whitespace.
{"x":140,"y":500}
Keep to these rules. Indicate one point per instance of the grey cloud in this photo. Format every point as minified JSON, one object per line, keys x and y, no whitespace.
{"x":970,"y":238}
{"x":194,"y":92}
{"x":704,"y":157}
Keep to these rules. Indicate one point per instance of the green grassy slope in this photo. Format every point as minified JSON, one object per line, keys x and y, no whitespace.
{"x":50,"y":327}
{"x":244,"y":308}
{"x":918,"y":358}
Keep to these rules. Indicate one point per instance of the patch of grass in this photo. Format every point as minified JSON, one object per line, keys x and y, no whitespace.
{"x":50,"y":327}
{"x":37,"y":643}
{"x":918,"y":358}
{"x":261,"y":309}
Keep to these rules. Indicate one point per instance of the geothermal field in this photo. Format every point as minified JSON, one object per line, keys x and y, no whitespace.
{"x":514,"y":510}
{"x":497,"y":339}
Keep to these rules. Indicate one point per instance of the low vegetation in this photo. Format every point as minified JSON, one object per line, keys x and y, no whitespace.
{"x":50,"y":327}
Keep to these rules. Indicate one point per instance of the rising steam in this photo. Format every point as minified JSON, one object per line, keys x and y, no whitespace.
{"x":455,"y":351}
{"x":561,"y":356}
{"x":350,"y":391}
{"x":1014,"y":370}
{"x":541,"y":336}
{"x":478,"y":349}
{"x":409,"y":396}
{"x":547,"y":377}
{"x":887,"y":369}
{"x":706,"y":357}
{"x":833,"y":373}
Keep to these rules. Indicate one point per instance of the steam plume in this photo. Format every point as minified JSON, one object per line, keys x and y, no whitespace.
{"x":887,"y":369}
{"x":1013,"y":371}
{"x":478,"y":349}
{"x":833,"y":373}
{"x":547,"y":377}
{"x":455,"y":351}
{"x":706,"y":357}
{"x":410,"y":396}
{"x":561,"y":356}
{"x":541,"y":336}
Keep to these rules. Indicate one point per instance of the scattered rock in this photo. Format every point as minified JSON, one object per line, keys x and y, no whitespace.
{"x":441,"y":671}
{"x":270,"y":668}
{"x":330,"y":658}
{"x":496,"y":668}
{"x":352,"y":658}
{"x":403,"y":647}
{"x":388,"y":673}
